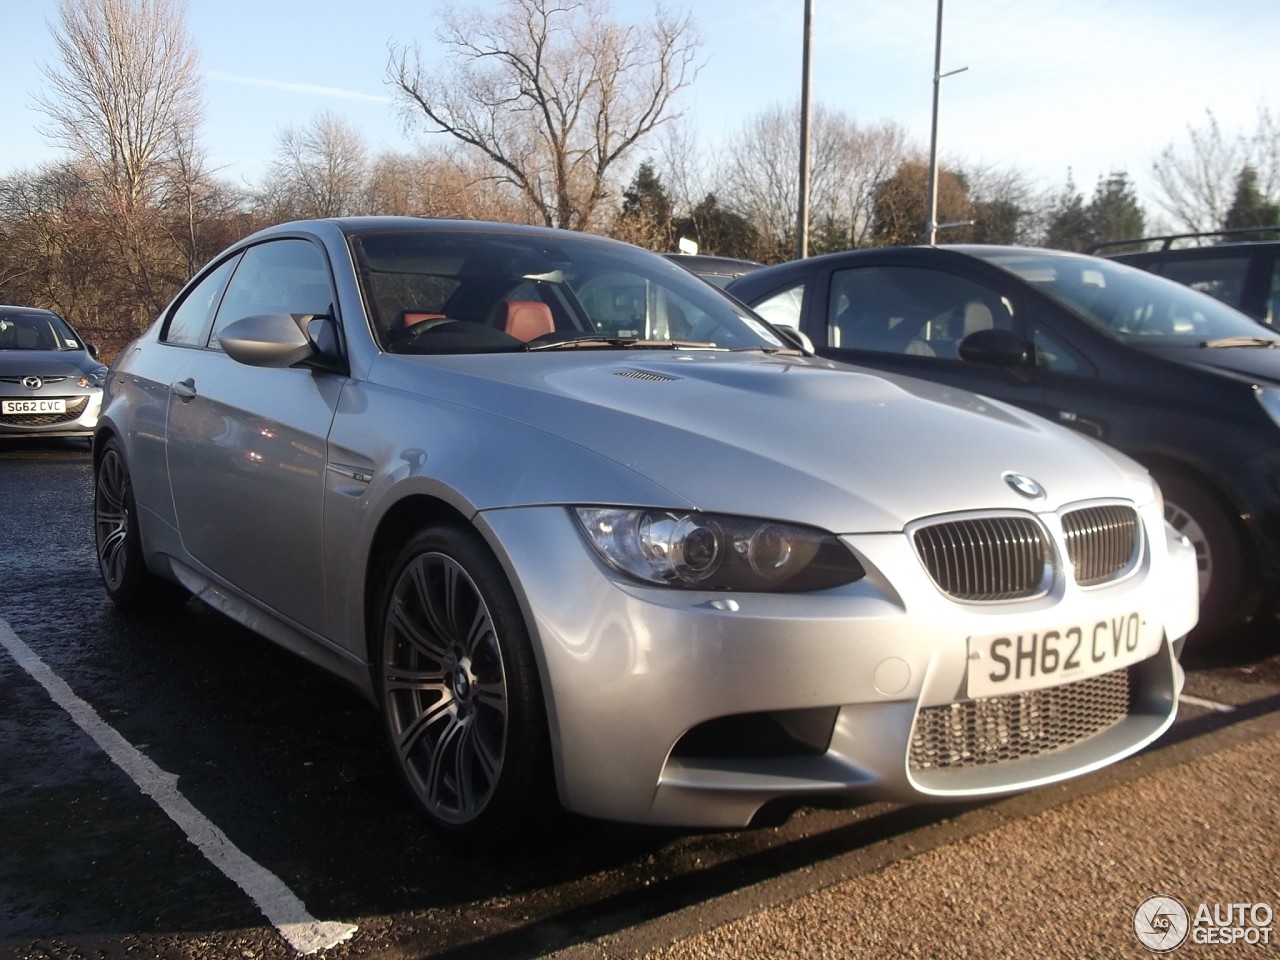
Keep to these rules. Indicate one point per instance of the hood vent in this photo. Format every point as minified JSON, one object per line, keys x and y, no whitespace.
{"x":645,"y":375}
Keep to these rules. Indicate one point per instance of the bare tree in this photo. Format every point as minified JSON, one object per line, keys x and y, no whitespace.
{"x":125,"y":93}
{"x":319,"y":170}
{"x":552,"y":92}
{"x":759,"y":175}
{"x":438,"y":184}
{"x":848,"y":162}
{"x":871,"y":156}
{"x":1195,"y":182}
{"x":200,"y":212}
{"x":52,"y":252}
{"x":124,"y":98}
{"x":687,"y":168}
{"x":1005,"y":205}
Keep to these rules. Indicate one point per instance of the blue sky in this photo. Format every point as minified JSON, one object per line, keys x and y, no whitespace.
{"x":1085,"y":85}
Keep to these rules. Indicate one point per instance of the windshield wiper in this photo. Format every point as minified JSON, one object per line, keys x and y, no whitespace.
{"x":772,"y":351}
{"x":594,"y":340}
{"x":1240,"y":342}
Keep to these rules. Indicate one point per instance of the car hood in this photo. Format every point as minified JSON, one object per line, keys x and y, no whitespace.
{"x":845,"y":448}
{"x":45,"y":363}
{"x":1261,"y":363}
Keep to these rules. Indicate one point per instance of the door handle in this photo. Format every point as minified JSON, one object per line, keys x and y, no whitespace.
{"x":184,"y":390}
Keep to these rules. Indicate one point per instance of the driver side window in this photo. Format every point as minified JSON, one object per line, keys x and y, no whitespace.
{"x":911,"y":310}
{"x":280,"y":276}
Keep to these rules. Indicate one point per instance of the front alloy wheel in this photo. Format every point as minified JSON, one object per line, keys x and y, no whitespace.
{"x":1227,"y":595}
{"x":124,"y":572}
{"x":457,"y":685}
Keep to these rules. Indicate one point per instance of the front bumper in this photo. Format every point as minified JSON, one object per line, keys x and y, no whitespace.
{"x":680,"y":707}
{"x":79,"y":420}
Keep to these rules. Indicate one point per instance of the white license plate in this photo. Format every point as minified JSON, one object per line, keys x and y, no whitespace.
{"x":33,"y":406}
{"x":1014,"y":662}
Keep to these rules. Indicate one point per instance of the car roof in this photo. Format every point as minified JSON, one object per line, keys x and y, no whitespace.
{"x":953,"y":252}
{"x":12,"y":309}
{"x":385,"y":224}
{"x":712,"y":263}
{"x":363,"y":226}
{"x":1164,"y":244}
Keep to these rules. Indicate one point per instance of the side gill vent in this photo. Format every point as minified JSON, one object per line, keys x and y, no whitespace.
{"x":644,"y":375}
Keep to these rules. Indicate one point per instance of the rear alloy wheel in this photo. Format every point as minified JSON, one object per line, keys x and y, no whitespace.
{"x":1225,"y":583}
{"x":124,"y":572}
{"x":457,"y":685}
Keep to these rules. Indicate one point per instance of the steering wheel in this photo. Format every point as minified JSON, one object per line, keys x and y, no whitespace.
{"x":408,"y":336}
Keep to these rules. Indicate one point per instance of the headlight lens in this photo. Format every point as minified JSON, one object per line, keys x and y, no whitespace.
{"x":1269,"y":397}
{"x":702,"y":551}
{"x":94,"y":378}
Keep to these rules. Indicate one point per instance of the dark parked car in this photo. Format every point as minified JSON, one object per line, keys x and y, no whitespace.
{"x":50,"y":379}
{"x":1182,"y":383}
{"x":719,"y":271}
{"x":1243,"y":273}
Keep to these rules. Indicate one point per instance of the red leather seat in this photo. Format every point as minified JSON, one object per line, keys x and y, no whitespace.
{"x":527,"y":319}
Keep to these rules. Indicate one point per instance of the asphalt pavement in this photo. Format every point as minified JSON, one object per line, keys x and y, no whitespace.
{"x":1065,"y":872}
{"x":291,"y":766}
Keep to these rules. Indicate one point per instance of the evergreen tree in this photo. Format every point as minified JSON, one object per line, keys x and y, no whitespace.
{"x":720,"y":231}
{"x":1114,"y":213}
{"x":1251,"y":209}
{"x":646,"y":211}
{"x":1069,"y":227}
{"x":996,"y":221}
{"x":647,"y":197}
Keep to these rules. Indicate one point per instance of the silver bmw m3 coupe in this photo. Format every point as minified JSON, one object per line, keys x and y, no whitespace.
{"x":586,"y":530}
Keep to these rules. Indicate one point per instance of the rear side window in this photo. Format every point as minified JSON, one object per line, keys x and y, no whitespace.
{"x":1220,"y":277}
{"x":1271,"y":316}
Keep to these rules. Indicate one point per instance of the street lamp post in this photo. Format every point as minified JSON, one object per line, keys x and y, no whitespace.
{"x":802,"y":212}
{"x":931,"y":225}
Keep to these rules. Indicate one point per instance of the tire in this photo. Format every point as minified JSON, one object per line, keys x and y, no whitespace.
{"x":117,"y":537}
{"x":1225,"y":577}
{"x":457,"y":687}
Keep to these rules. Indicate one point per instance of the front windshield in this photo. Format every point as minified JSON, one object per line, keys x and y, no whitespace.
{"x":36,"y":331}
{"x":1130,"y":304}
{"x":446,"y":290}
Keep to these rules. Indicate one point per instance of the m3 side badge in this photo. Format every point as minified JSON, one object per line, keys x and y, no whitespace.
{"x":1024,"y":485}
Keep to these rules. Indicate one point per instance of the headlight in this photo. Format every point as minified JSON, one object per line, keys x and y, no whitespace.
{"x":702,"y":551}
{"x":94,"y":378}
{"x":1269,"y":397}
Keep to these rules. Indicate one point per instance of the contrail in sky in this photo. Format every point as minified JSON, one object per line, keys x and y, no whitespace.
{"x":307,"y":88}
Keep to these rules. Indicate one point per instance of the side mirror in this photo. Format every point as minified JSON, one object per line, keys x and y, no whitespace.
{"x":997,"y":348}
{"x":794,"y":338}
{"x":270,"y":340}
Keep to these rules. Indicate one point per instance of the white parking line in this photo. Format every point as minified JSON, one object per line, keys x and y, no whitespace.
{"x":276,"y":901}
{"x":1207,"y":704}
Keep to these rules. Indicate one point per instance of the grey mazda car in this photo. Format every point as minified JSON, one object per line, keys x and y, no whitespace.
{"x":50,"y":379}
{"x":584,"y":529}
